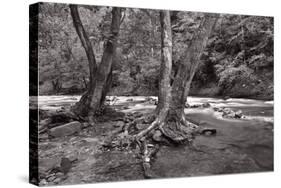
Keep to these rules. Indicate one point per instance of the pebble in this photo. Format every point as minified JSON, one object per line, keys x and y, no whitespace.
{"x":43,"y":182}
{"x":51,"y":178}
{"x":57,"y":180}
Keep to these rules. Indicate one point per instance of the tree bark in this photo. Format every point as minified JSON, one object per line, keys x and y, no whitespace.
{"x":86,"y":43}
{"x":106,"y":62}
{"x":188,"y":66}
{"x":164,"y":94}
{"x":177,"y":127}
{"x":93,"y":99}
{"x":171,"y":102}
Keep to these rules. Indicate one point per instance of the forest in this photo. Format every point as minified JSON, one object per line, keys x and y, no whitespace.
{"x":128,"y":93}
{"x":236,"y":62}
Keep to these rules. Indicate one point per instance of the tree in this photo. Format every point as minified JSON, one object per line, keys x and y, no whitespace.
{"x":100,"y":75}
{"x":170,"y":116}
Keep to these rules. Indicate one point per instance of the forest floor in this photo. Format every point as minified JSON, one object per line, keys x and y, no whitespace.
{"x":100,"y":153}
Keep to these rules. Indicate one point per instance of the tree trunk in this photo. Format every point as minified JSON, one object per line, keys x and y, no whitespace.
{"x":164,"y":94}
{"x":93,"y":99}
{"x":187,"y":68}
{"x":86,"y":43}
{"x":107,"y":87}
{"x":171,"y":102}
{"x":105,"y":66}
{"x":56,"y":85}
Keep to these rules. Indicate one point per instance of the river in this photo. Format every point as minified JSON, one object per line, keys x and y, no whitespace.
{"x":240,"y":145}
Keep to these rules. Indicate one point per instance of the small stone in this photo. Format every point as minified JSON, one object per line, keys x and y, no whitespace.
{"x":43,"y":136}
{"x":43,"y":182}
{"x":157,"y":136}
{"x":208,"y":131}
{"x":141,"y":126}
{"x":51,"y":178}
{"x":59,"y":174}
{"x":85,"y":125}
{"x":72,"y":158}
{"x":147,"y":159}
{"x":238,"y":114}
{"x":57,"y":180}
{"x":119,"y":124}
{"x":66,"y":129}
{"x":48,"y":164}
{"x":65,"y":165}
{"x":206,"y":105}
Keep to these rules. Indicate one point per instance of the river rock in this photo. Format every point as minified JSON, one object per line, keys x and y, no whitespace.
{"x":59,"y":174}
{"x":141,"y":126}
{"x":157,"y":136}
{"x":238,"y":114}
{"x":228,"y":113}
{"x":206,"y":105}
{"x":48,"y":164}
{"x":57,"y":180}
{"x":51,"y":178}
{"x":65,"y":165}
{"x":66,"y":129}
{"x":151,"y":100}
{"x":43,"y":182}
{"x":118,"y":124}
{"x":85,"y":125}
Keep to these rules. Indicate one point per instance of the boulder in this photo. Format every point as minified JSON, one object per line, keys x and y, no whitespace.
{"x":66,"y":129}
{"x":195,"y":106}
{"x":48,"y":164}
{"x":65,"y":165}
{"x":228,"y":113}
{"x":238,"y":114}
{"x":151,"y":100}
{"x":206,"y":105}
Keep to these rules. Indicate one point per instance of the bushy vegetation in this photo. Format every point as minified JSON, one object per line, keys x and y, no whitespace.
{"x":239,"y":57}
{"x":238,"y":61}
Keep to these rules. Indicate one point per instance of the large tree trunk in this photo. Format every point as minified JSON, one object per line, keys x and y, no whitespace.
{"x":85,"y":42}
{"x":93,"y":99}
{"x":164,"y":94}
{"x":187,"y":67}
{"x":170,"y":117}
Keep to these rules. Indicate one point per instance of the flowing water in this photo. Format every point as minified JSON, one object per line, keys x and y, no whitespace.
{"x":240,"y":145}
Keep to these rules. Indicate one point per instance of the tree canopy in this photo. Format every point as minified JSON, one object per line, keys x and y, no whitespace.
{"x":225,"y":63}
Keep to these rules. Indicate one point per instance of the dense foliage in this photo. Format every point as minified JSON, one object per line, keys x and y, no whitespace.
{"x":238,"y":60}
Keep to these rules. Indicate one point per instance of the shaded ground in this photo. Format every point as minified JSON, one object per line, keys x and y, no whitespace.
{"x":240,"y":145}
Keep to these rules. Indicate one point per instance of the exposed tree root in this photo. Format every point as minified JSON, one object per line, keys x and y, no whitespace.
{"x":172,"y":129}
{"x":149,"y":132}
{"x":175,"y":129}
{"x":148,"y":152}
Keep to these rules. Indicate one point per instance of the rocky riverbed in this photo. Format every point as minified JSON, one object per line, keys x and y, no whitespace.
{"x":72,"y":151}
